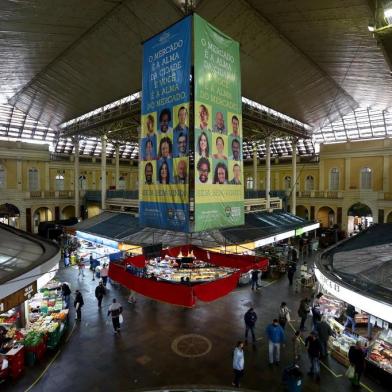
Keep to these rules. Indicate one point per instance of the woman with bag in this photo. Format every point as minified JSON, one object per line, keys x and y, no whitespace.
{"x":356,"y":357}
{"x":284,"y":314}
{"x":115,"y":310}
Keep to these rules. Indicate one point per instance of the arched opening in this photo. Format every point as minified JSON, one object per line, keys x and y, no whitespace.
{"x":389,"y":218}
{"x":9,"y":215}
{"x":302,"y":212}
{"x":359,"y":217}
{"x":93,"y":209}
{"x":287,"y":183}
{"x":3,"y":177}
{"x":82,"y":183}
{"x":309,"y":184}
{"x":366,"y":178}
{"x":249,"y":183}
{"x":68,"y":212}
{"x":334,"y":179}
{"x":122,"y":183}
{"x":326,"y":217}
{"x":33,"y":179}
{"x":42,"y":214}
{"x":59,"y":185}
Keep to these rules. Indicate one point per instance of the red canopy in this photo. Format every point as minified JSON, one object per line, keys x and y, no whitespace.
{"x":182,"y":294}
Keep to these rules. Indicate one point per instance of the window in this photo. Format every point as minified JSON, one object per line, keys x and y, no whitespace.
{"x":33,"y":179}
{"x":122,"y":183}
{"x":309,"y":184}
{"x":334,"y":179}
{"x":287,"y":183}
{"x":2,"y":177}
{"x":366,"y":178}
{"x":249,"y":183}
{"x":82,"y":183}
{"x":59,"y":182}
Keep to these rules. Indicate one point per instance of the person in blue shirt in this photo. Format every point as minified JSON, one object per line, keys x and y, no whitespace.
{"x":276,"y":337}
{"x":238,"y":363}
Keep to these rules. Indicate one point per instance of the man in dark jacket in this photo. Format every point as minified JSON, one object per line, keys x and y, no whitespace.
{"x":78,"y":303}
{"x":312,"y":342}
{"x":100,"y":291}
{"x":356,"y":357}
{"x":66,"y":293}
{"x":290,"y":273}
{"x":250,"y":319}
{"x":324,"y":332}
{"x":350,"y":314}
{"x":255,"y":278}
{"x":303,"y":311}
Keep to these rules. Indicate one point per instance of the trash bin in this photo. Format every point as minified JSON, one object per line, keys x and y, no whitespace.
{"x":292,"y":378}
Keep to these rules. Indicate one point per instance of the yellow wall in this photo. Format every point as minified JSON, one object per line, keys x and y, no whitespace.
{"x":374,"y":163}
{"x":10,"y":168}
{"x":330,"y":164}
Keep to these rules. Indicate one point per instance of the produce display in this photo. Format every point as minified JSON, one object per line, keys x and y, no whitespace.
{"x":9,"y":318}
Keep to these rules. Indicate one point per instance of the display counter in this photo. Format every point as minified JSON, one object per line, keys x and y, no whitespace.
{"x":380,"y":351}
{"x":196,"y":272}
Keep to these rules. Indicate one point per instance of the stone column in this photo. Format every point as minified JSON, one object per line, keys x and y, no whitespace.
{"x":385,"y":174}
{"x":103,"y":172}
{"x":347,"y":171}
{"x":47,"y":177}
{"x":76,"y":178}
{"x":255,"y":180}
{"x":321,"y":176}
{"x":19,"y":176}
{"x":294,"y":177}
{"x":117,"y":156}
{"x":267,"y":172}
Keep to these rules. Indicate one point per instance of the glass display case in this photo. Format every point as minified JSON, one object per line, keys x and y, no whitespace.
{"x":380,"y":352}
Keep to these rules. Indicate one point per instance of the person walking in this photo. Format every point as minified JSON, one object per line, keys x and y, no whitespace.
{"x":81,"y":268}
{"x":104,"y":274}
{"x":291,"y":272}
{"x":250,"y":319}
{"x":115,"y":310}
{"x":312,"y":342}
{"x":350,"y":317}
{"x":99,"y":293}
{"x":296,"y":340}
{"x":324,"y":332}
{"x":66,"y":293}
{"x":356,"y":357}
{"x":255,"y":278}
{"x":78,"y":304}
{"x":276,"y":337}
{"x":238,"y":363}
{"x":303,"y":311}
{"x":284,"y":314}
{"x":132,"y":297}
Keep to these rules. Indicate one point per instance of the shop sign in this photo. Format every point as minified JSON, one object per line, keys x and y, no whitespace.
{"x":18,"y":297}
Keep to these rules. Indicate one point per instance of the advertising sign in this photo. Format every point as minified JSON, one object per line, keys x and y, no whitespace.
{"x":219,"y":184}
{"x":164,"y":139}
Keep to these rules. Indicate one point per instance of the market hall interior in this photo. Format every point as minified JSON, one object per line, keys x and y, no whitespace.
{"x":316,"y":98}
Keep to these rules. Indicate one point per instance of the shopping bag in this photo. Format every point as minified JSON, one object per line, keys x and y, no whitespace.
{"x":121,"y":319}
{"x":350,"y":372}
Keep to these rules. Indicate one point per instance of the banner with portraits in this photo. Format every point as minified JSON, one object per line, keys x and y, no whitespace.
{"x":219,"y":184}
{"x":164,"y":139}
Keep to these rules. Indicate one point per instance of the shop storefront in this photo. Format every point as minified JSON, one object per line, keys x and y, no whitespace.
{"x":372,"y":320}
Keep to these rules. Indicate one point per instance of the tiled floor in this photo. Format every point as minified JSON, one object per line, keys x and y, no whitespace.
{"x":141,"y":356}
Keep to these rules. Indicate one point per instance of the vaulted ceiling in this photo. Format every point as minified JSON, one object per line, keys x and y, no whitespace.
{"x":314,"y":60}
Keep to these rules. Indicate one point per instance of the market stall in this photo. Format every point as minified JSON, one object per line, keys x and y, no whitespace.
{"x":32,"y":328}
{"x":184,"y":274}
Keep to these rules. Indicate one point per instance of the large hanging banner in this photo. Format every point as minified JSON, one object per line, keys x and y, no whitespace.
{"x":219,"y":186}
{"x":164,"y":140}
